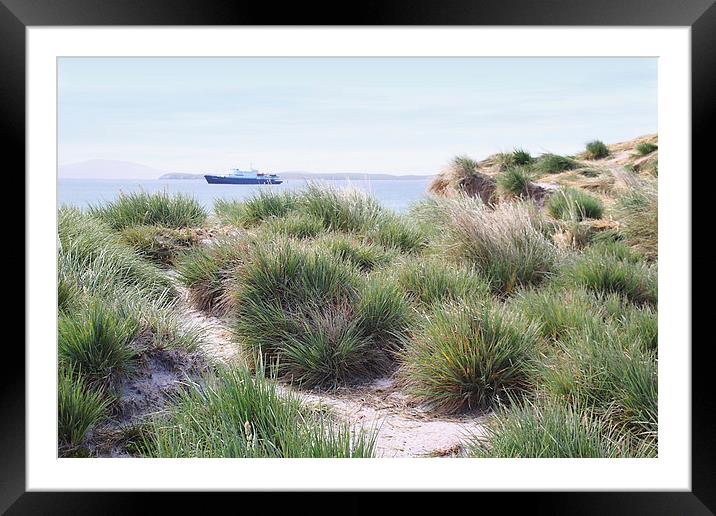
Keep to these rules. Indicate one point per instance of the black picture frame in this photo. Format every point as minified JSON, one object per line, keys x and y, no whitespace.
{"x":700,"y":15}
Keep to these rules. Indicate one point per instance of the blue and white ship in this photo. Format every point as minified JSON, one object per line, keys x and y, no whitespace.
{"x":244,"y":177}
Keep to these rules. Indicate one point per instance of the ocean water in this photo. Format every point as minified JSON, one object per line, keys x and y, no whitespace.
{"x":394,"y":194}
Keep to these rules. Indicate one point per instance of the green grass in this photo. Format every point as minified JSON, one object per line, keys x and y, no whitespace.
{"x":383,"y":313}
{"x":607,"y":273}
{"x":646,"y":148}
{"x":557,"y":310}
{"x":597,"y":150}
{"x":207,"y":270}
{"x":552,"y":430}
{"x":638,"y":211}
{"x":514,"y":182}
{"x":325,"y":323}
{"x":553,"y":164}
{"x":429,"y":282}
{"x":95,"y":260}
{"x":365,"y":256}
{"x":79,"y":407}
{"x":340,"y":210}
{"x":400,"y":233}
{"x":296,"y":225}
{"x":96,"y":342}
{"x":574,"y":204}
{"x":520,"y":157}
{"x":602,"y":367}
{"x":237,"y":414}
{"x":261,"y":206}
{"x":156,"y":209}
{"x":470,"y":356}
{"x":157,"y":243}
{"x":508,"y":245}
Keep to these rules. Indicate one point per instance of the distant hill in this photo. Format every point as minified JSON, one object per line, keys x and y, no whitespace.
{"x":116,"y":169}
{"x":352,"y":176}
{"x":107,"y":169}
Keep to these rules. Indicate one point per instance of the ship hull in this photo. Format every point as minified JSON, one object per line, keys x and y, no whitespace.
{"x":226,"y":180}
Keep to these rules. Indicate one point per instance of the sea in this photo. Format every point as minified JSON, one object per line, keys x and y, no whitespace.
{"x":394,"y":194}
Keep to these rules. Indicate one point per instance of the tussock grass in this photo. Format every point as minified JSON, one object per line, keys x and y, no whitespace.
{"x":429,"y":282}
{"x":574,"y":204}
{"x":95,"y":258}
{"x":508,"y":245}
{"x":514,"y":182}
{"x":461,"y":177}
{"x":557,"y":310}
{"x":600,"y":367}
{"x":95,"y":266}
{"x":96,"y":341}
{"x":145,"y":209}
{"x":325,"y":323}
{"x":470,"y":356}
{"x":646,"y":148}
{"x":396,"y":232}
{"x":237,"y":414}
{"x":207,"y":270}
{"x":157,"y":243}
{"x":79,"y":407}
{"x":261,"y":206}
{"x":348,"y":210}
{"x":551,"y":429}
{"x":520,"y":157}
{"x":383,"y":313}
{"x":363,"y":255}
{"x":596,"y":150}
{"x":296,"y":225}
{"x":638,"y":211}
{"x":605,"y":273}
{"x":553,"y":164}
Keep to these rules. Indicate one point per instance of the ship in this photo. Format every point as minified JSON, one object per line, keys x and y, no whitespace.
{"x":243,"y":177}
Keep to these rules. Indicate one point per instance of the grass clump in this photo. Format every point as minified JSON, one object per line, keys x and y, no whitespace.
{"x":157,"y":243}
{"x":395,"y":232}
{"x":601,"y":368}
{"x":145,"y":209}
{"x":557,"y":310}
{"x":514,"y":182}
{"x":605,"y":273}
{"x":596,"y":150}
{"x":574,"y":204}
{"x":508,"y":245}
{"x":551,"y":430}
{"x":553,"y":164}
{"x":312,"y":311}
{"x":296,"y":225}
{"x":241,"y":415}
{"x":94,"y":257}
{"x":638,"y":211}
{"x":96,"y":341}
{"x":79,"y":408}
{"x":431,"y":282}
{"x":646,"y":148}
{"x":363,"y":255}
{"x":520,"y":157}
{"x":261,"y":206}
{"x":340,"y":210}
{"x":207,"y":270}
{"x":469,"y":356}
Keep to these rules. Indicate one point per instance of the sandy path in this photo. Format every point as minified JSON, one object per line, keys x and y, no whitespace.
{"x":404,"y":429}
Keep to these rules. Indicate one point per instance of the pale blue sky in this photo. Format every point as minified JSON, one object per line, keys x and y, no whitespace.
{"x":394,"y":115}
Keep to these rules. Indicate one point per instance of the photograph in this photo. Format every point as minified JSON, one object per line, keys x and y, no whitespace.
{"x":357,"y":257}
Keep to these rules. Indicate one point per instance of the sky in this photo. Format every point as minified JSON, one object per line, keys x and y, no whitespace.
{"x":390,"y":115}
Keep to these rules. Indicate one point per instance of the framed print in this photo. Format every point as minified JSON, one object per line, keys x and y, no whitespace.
{"x":413,"y":250}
